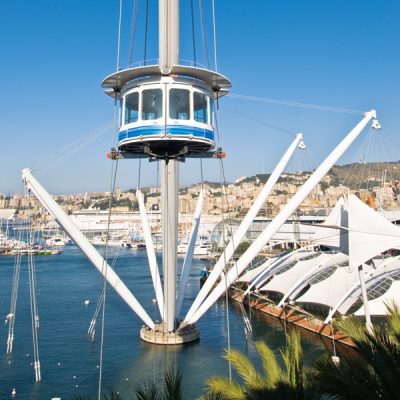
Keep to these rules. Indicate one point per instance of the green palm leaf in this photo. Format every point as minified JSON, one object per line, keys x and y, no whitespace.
{"x":173,"y":384}
{"x":393,"y":319}
{"x":226,"y":388}
{"x":210,"y":395}
{"x":292,"y":356}
{"x":113,"y":396}
{"x":351,"y":379}
{"x":148,"y":392}
{"x":245,"y":368}
{"x":271,"y":367}
{"x":375,"y":373}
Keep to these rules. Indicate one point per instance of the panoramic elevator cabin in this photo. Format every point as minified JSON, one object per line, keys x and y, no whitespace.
{"x":167,"y":115}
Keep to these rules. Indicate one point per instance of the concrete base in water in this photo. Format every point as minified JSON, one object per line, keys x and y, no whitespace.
{"x":160,"y":336}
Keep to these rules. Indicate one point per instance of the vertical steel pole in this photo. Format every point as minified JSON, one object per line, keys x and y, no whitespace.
{"x":169,"y":209}
{"x":169,"y":56}
{"x":168,"y":34}
{"x":368,"y":322}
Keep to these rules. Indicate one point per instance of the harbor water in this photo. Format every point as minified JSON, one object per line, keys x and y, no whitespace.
{"x":70,"y":360}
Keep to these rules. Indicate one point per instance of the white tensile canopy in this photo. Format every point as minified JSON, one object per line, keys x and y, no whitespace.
{"x":282,"y":282}
{"x":332,"y":289}
{"x":285,"y":263}
{"x":251,"y":274}
{"x":329,"y":233}
{"x":317,"y":273}
{"x":378,"y":306}
{"x":369,"y":234}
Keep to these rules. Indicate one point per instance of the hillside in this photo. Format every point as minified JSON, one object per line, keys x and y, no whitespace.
{"x":354,"y":176}
{"x":362,"y":175}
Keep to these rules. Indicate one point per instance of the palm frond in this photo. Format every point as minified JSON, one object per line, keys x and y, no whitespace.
{"x":173,"y":384}
{"x":292,"y":356}
{"x":354,"y":328}
{"x":226,"y":388}
{"x":271,"y":367}
{"x":245,"y":368}
{"x":148,"y":392}
{"x":112,"y":396}
{"x":351,"y":379}
{"x":211,"y":395}
{"x":383,"y":357}
{"x":393,"y":318}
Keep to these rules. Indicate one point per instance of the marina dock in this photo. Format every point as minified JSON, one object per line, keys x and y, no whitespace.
{"x":292,"y":315}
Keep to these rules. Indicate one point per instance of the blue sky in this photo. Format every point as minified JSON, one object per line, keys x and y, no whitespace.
{"x":54,"y":55}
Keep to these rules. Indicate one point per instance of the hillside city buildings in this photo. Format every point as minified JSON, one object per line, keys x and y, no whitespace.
{"x":235,"y":198}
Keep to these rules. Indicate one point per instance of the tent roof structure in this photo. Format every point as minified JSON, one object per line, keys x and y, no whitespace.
{"x":251,"y":274}
{"x":282,"y":282}
{"x":318,"y":272}
{"x":329,"y":233}
{"x":375,"y":281}
{"x":283,"y":264}
{"x":377,"y":306}
{"x":332,"y":289}
{"x":370,"y":234}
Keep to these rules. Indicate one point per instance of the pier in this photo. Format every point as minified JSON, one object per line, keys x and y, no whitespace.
{"x":292,"y":315}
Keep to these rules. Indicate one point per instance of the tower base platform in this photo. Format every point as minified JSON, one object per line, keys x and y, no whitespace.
{"x":162,"y":337}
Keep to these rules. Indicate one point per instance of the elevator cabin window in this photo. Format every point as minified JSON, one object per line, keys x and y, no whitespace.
{"x":131,"y":108}
{"x":151,"y":104}
{"x":179,"y":104}
{"x":200,"y":107}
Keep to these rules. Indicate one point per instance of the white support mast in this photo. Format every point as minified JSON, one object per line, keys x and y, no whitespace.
{"x":151,"y":254}
{"x":83,"y":243}
{"x":169,"y":56}
{"x":368,"y":322}
{"x":169,"y":209}
{"x":280,"y":219}
{"x":169,"y":139}
{"x":168,"y":35}
{"x":244,"y":226}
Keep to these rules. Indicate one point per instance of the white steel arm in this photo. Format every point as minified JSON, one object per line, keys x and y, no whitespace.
{"x":187,"y":264}
{"x":280,"y":219}
{"x":83,"y":243}
{"x":243,"y":227}
{"x":151,"y":254}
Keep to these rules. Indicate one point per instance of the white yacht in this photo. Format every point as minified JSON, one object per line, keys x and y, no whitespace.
{"x":200,"y":249}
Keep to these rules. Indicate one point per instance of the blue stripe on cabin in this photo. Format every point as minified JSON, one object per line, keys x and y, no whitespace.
{"x":173,"y":130}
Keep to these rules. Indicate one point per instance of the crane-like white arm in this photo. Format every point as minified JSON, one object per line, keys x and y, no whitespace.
{"x":151,"y":254}
{"x":187,"y":263}
{"x":280,"y":219}
{"x":83,"y":243}
{"x":244,"y":226}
